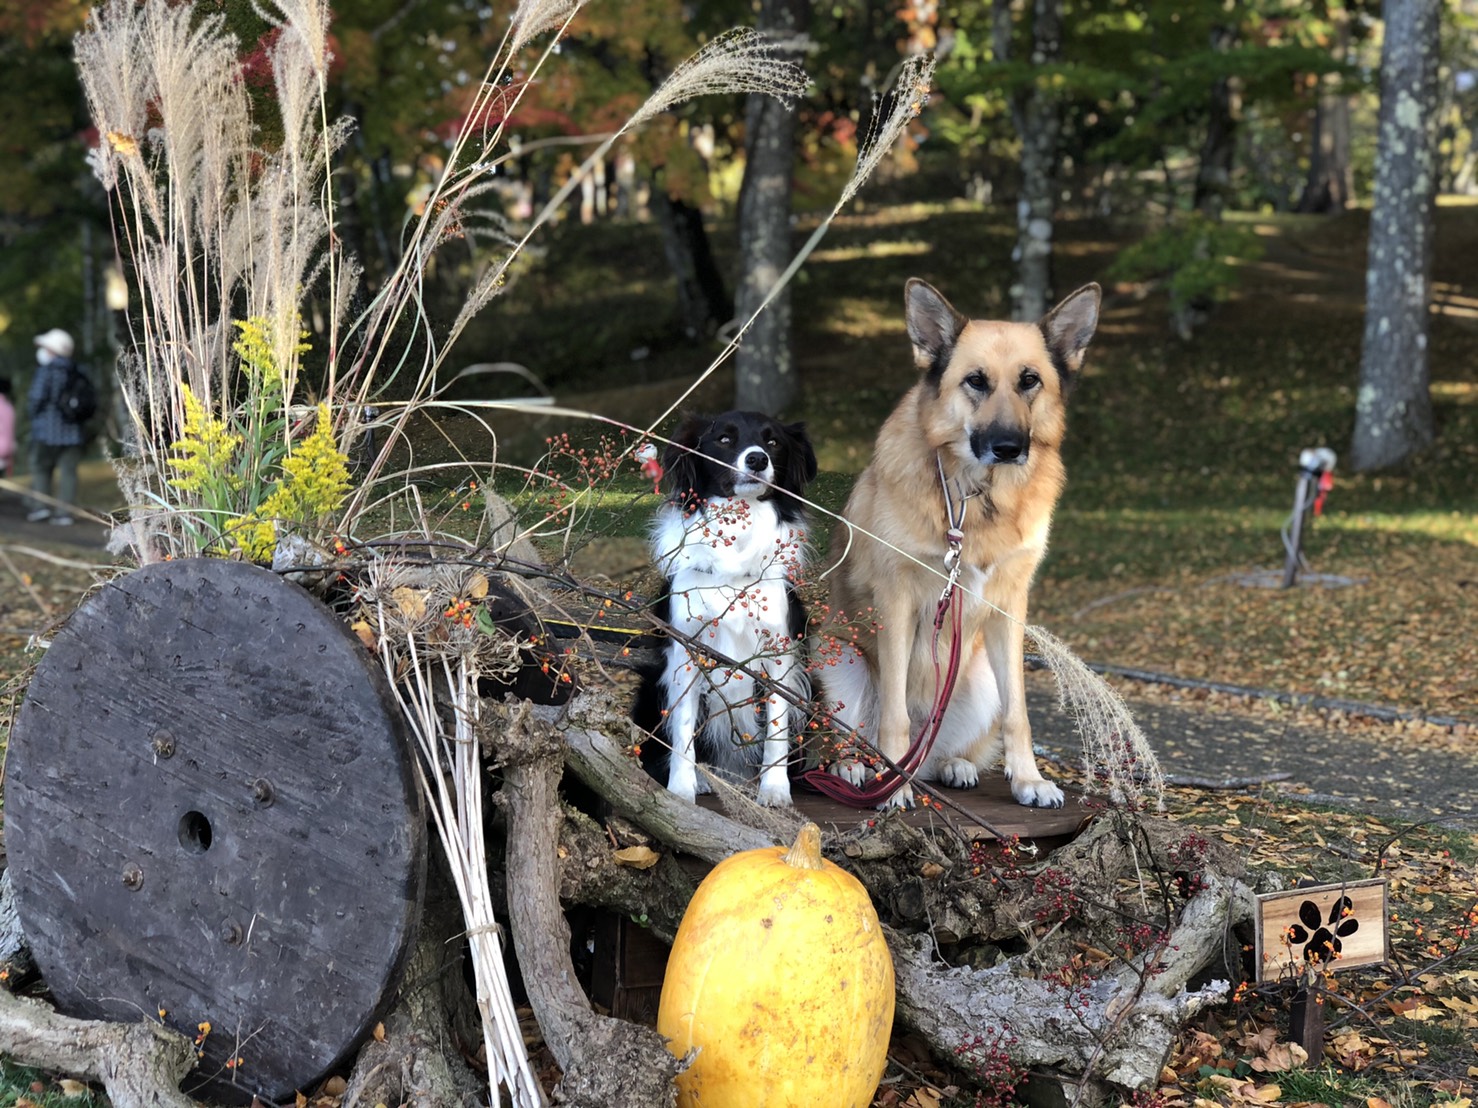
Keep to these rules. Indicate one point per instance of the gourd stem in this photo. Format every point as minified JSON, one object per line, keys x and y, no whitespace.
{"x":805,"y":853}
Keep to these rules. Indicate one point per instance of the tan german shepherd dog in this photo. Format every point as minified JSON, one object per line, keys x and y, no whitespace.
{"x":987,"y":421}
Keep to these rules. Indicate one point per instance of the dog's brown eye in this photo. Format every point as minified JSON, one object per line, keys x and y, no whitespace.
{"x":1029,"y":380}
{"x":770,"y":442}
{"x":726,"y":440}
{"x":978,"y":382}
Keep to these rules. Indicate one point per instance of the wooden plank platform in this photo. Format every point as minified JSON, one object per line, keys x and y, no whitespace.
{"x":990,"y":803}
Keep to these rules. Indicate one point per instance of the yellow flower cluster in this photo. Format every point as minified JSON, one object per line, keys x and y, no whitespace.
{"x":224,"y":467}
{"x":314,"y":483}
{"x":254,"y":348}
{"x":204,"y":451}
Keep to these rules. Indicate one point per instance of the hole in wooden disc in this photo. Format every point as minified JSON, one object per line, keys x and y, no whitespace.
{"x":195,"y":832}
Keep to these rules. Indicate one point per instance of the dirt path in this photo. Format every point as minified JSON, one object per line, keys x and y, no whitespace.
{"x":1326,"y":765}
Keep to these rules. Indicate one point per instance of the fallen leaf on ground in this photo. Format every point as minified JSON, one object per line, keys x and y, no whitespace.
{"x":335,"y":1086}
{"x":1280,"y":1057}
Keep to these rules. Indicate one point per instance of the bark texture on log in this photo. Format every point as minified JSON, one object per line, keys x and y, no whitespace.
{"x":1118,"y":1028}
{"x":590,"y":875}
{"x":607,"y":1063}
{"x":15,"y":952}
{"x":601,"y":764}
{"x":140,"y":1065}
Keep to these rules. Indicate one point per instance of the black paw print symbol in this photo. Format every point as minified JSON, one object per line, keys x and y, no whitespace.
{"x":1321,"y":941}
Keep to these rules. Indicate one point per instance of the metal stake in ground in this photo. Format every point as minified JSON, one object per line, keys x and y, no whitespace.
{"x":1315,"y":479}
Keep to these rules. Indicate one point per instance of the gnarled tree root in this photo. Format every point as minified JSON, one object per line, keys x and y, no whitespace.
{"x":140,"y":1064}
{"x":1118,"y":1028}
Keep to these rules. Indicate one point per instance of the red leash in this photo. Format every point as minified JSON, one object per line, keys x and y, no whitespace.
{"x":885,"y":783}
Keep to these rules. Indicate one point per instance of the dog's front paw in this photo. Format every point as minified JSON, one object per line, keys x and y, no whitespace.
{"x":902,"y":797}
{"x":1036,"y":793}
{"x":849,"y":770}
{"x":959,"y":773}
{"x":775,"y":796}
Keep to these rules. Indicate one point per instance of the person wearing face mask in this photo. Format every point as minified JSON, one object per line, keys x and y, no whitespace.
{"x":57,"y":432}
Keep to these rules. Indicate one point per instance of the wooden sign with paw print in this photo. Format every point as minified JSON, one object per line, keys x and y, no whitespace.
{"x":1323,"y":927}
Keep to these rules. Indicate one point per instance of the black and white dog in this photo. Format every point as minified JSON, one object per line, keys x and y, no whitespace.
{"x":730,"y":542}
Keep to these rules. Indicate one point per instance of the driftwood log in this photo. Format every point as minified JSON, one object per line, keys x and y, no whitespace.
{"x":607,"y":1063}
{"x":1118,"y":1028}
{"x":140,"y":1065}
{"x":1122,"y":1024}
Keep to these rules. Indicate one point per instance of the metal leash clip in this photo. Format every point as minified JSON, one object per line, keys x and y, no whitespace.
{"x":956,"y":539}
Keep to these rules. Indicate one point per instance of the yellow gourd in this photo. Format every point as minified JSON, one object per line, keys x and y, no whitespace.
{"x":780,"y":975}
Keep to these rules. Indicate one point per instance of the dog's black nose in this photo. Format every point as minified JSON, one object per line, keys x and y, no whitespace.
{"x":1008,"y":450}
{"x":756,"y":460}
{"x":1000,"y":447}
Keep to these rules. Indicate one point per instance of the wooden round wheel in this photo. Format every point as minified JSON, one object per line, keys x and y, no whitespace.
{"x":211,"y":817}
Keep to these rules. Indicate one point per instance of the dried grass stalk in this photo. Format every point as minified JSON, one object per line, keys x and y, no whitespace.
{"x":1117,"y":758}
{"x":741,"y":60}
{"x":533,"y":17}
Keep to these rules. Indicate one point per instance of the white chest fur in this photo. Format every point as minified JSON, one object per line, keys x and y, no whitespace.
{"x":734,"y":541}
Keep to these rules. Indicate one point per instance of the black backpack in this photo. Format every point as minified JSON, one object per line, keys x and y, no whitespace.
{"x":77,"y":399}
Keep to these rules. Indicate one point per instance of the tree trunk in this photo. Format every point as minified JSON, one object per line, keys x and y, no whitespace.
{"x":764,"y":370}
{"x":702,"y":303}
{"x":1038,"y":120}
{"x":1393,"y":409}
{"x":1214,"y":175}
{"x":1330,"y":185}
{"x":348,"y":220}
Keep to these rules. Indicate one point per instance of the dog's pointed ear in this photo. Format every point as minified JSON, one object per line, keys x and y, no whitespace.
{"x":1068,"y":328}
{"x":680,"y":459}
{"x":800,"y":457}
{"x":933,"y":325}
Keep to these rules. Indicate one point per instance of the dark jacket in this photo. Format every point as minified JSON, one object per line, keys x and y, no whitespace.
{"x":47,"y":424}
